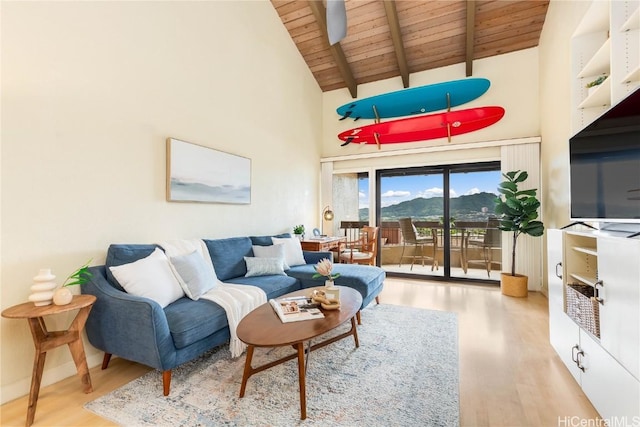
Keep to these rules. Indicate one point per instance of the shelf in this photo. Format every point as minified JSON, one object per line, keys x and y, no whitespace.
{"x":584,"y":278}
{"x":599,"y":63}
{"x":601,"y":97}
{"x":633,"y":76}
{"x":596,"y":19}
{"x":588,"y":251}
{"x":633,"y":23}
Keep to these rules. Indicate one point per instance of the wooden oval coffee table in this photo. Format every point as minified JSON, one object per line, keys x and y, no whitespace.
{"x":263,"y":328}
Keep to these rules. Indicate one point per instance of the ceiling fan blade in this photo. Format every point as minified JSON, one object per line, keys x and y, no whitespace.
{"x":336,"y":21}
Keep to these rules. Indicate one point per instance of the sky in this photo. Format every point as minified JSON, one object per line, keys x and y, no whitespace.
{"x":401,"y":188}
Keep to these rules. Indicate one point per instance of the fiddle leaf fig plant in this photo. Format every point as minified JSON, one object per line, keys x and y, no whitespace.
{"x":517,"y":210}
{"x":79,"y":277}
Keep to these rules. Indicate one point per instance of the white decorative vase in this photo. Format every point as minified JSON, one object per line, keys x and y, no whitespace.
{"x":42,"y":288}
{"x":62,"y":296}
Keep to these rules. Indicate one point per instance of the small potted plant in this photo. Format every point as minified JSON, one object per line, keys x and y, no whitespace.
{"x":62,"y":295}
{"x":517,"y":212}
{"x":298,"y":230}
{"x":324,"y":269}
{"x":593,"y":85}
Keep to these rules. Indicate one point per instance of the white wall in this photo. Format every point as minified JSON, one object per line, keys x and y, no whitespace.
{"x":555,"y":111}
{"x":555,"y":106}
{"x":90,"y":92}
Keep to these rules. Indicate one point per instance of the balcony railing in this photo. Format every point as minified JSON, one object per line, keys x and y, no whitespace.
{"x":461,"y":234}
{"x":390,"y":230}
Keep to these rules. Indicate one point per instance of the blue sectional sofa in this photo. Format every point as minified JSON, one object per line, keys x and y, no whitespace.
{"x":139,"y":329}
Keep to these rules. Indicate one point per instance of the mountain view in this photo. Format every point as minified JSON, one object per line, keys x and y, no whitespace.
{"x":463,"y":208}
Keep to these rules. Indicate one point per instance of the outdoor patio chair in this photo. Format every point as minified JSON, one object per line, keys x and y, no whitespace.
{"x":410,"y":237}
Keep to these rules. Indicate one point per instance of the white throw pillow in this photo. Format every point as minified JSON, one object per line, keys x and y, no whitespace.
{"x":193,"y":274}
{"x":263,"y":266}
{"x":150,"y":277}
{"x":292,"y":250}
{"x":273,"y":251}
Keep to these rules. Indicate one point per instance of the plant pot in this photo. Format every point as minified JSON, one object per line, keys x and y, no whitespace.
{"x":62,"y":296}
{"x":514,"y":286}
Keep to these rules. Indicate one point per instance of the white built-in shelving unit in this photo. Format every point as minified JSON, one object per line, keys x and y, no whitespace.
{"x":605,"y":43}
{"x":607,"y":366}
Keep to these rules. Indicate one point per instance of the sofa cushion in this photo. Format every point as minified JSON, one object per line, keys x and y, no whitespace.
{"x":119,"y":254}
{"x":228,"y":255}
{"x":365,"y":279}
{"x":273,"y":286}
{"x":150,"y":277}
{"x":272,"y":251}
{"x":190,"y":321}
{"x":292,"y":250}
{"x":266,"y":240}
{"x":263,"y":266}
{"x":193,"y":274}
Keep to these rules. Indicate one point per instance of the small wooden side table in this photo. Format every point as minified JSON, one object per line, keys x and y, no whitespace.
{"x":45,"y":340}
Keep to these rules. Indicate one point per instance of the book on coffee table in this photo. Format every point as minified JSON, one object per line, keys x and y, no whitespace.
{"x":295,"y":309}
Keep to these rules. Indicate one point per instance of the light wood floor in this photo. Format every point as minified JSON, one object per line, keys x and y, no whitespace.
{"x":509,"y":374}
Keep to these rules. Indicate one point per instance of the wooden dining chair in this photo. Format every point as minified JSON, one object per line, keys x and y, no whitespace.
{"x":363,"y":250}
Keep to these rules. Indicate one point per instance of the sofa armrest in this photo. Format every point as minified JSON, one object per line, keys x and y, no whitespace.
{"x":312,"y":257}
{"x":128,"y":326}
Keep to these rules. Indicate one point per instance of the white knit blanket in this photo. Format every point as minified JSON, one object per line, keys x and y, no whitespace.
{"x":236,"y":300}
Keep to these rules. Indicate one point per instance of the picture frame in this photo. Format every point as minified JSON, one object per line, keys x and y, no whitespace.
{"x":196,"y":173}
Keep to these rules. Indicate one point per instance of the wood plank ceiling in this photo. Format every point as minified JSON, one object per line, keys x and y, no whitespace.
{"x":387,"y":38}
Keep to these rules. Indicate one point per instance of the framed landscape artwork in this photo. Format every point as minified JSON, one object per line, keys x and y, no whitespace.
{"x":200,"y":174}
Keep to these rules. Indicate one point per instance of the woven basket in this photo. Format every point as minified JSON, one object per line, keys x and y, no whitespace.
{"x":583,"y":308}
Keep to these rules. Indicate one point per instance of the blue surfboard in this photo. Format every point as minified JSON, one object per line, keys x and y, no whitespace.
{"x":417,"y":100}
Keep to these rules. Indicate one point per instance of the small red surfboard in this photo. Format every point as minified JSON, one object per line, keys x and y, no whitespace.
{"x":432,"y":126}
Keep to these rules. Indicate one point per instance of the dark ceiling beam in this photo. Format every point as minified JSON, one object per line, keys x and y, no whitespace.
{"x":471,"y":25}
{"x":396,"y":37}
{"x":320,"y":13}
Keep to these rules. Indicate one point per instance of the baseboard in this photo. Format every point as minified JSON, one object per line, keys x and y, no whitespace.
{"x":21,"y":388}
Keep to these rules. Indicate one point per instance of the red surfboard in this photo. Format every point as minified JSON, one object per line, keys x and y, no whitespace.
{"x":432,"y":126}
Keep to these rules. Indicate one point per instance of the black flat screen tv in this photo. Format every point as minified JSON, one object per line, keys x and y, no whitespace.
{"x":604,"y":162}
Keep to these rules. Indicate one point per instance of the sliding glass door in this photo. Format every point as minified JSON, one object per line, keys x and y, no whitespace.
{"x":435,"y":220}
{"x":475,"y":247}
{"x":416,"y":195}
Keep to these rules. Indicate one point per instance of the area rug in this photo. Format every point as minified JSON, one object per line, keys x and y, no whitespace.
{"x":404,"y":373}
